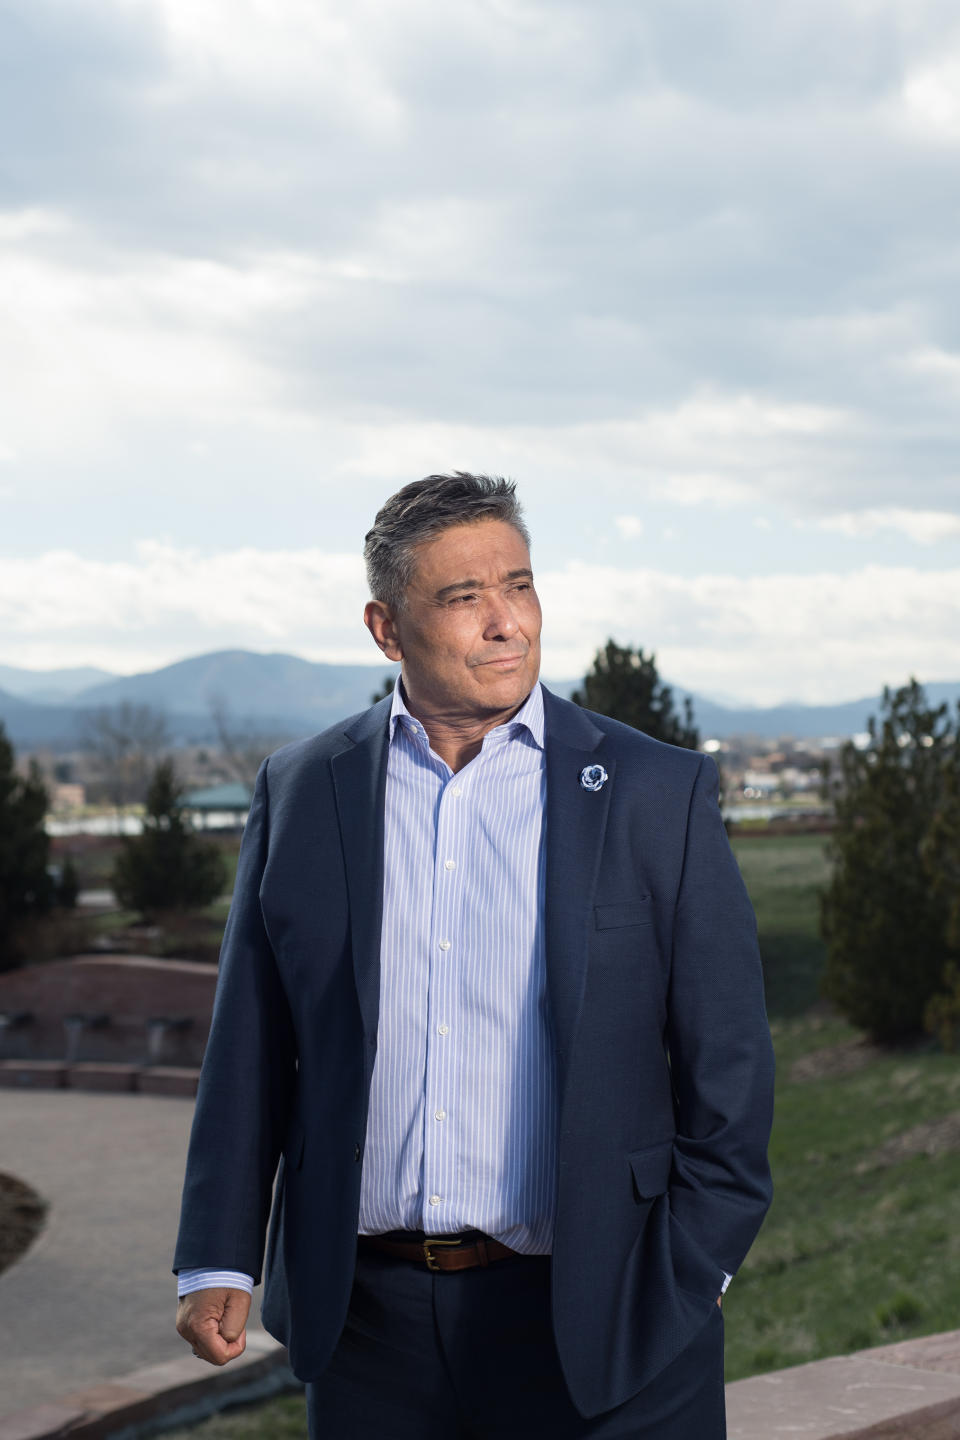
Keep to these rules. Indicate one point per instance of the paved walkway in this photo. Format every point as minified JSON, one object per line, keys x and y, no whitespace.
{"x":94,"y":1298}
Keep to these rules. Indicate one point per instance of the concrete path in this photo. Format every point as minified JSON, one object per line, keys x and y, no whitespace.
{"x":94,"y":1298}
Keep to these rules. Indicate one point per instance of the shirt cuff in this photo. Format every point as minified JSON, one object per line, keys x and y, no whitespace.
{"x":726,"y":1281}
{"x":196,"y":1279}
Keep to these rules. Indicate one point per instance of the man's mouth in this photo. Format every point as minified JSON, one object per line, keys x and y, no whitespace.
{"x":503,"y":660}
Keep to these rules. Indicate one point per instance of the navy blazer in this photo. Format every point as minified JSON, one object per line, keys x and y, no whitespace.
{"x":664,"y":1055}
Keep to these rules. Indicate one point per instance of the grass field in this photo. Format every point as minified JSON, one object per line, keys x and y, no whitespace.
{"x":862,"y":1244}
{"x":784,"y":875}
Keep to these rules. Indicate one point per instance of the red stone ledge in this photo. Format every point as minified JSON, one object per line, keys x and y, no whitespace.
{"x":33,"y":1074}
{"x":98,"y":1075}
{"x":908,"y":1391}
{"x":157,"y":1397}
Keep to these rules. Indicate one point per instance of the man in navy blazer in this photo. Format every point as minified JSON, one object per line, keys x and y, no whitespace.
{"x":645,"y":1015}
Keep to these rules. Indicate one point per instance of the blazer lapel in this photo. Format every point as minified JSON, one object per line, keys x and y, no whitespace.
{"x":360,"y":778}
{"x":576,"y":824}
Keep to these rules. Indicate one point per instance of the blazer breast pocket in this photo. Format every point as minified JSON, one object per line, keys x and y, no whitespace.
{"x":627,"y":912}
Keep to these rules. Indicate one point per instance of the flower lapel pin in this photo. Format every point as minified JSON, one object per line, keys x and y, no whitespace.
{"x":593,"y":777}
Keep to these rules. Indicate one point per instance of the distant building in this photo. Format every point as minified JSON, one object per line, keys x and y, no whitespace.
{"x":759,"y":782}
{"x":218,"y":807}
{"x":67,"y":798}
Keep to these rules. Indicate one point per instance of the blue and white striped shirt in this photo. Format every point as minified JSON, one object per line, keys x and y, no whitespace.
{"x":462,"y":1124}
{"x":463,"y":1105}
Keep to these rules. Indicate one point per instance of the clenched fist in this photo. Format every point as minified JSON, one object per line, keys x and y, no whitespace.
{"x":214,"y":1323}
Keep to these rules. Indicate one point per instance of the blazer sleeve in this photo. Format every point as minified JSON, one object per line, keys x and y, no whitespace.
{"x":721,"y":1056}
{"x":246,"y":1082}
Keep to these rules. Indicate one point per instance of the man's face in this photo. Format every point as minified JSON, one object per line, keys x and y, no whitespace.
{"x":469,"y":632}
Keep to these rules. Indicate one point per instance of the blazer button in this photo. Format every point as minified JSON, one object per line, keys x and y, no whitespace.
{"x":357,"y":1151}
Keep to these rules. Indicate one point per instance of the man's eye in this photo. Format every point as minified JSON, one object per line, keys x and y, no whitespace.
{"x":460,"y":599}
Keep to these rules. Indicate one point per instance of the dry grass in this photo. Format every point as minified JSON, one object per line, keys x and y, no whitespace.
{"x":22,"y":1216}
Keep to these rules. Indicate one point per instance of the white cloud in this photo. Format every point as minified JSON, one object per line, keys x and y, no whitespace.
{"x":745,"y":445}
{"x":104,"y":340}
{"x":265,"y":261}
{"x":931,"y":96}
{"x":116,"y":343}
{"x":934,"y":360}
{"x":765,"y":638}
{"x":630,"y":526}
{"x":925,"y":527}
{"x":282,"y":51}
{"x":170,"y":602}
{"x":534,"y":223}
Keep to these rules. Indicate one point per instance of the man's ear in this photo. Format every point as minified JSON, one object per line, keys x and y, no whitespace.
{"x":378,"y":619}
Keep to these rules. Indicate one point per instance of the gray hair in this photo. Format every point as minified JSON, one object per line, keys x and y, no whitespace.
{"x":423,"y":510}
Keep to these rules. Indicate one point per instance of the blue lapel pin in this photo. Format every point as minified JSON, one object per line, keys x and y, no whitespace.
{"x":593,"y":777}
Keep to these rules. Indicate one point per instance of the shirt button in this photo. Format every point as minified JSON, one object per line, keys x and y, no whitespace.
{"x":444,"y":944}
{"x":434,"y":1199}
{"x":457,"y":790}
{"x":443,"y":1029}
{"x":449,"y":864}
{"x":439,"y":1114}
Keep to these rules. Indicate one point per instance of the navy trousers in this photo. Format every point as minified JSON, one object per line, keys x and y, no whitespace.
{"x":470,"y":1356}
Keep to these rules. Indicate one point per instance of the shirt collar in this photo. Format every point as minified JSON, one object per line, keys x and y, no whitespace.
{"x":529,"y":716}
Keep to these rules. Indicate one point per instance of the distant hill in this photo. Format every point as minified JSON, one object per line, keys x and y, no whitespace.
{"x":28,"y":724}
{"x":252,"y":686}
{"x":49,"y":687}
{"x":281,"y":696}
{"x":803,"y":722}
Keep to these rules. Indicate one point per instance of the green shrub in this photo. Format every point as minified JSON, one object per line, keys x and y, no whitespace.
{"x":942,"y":1015}
{"x":886,"y":912}
{"x":168,"y":867}
{"x":26,"y":886}
{"x":903,"y":1309}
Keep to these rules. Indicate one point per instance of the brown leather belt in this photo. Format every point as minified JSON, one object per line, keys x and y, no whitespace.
{"x":441,"y":1252}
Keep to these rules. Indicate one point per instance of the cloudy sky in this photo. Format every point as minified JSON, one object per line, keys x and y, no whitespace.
{"x":688,"y":271}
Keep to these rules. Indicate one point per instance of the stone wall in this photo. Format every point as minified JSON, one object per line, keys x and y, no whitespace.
{"x":126,"y":1009}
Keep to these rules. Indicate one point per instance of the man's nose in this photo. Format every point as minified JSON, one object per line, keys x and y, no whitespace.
{"x":500,"y":621}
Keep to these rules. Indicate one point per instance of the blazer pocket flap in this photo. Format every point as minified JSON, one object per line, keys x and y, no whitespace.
{"x":628,"y":912}
{"x":293,"y":1145}
{"x":651,"y":1169}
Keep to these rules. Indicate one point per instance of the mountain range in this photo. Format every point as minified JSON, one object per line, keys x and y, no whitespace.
{"x":279,"y":696}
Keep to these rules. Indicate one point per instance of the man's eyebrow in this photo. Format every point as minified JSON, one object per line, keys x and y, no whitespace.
{"x":523,"y":574}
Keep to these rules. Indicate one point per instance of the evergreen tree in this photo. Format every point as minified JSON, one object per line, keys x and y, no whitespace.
{"x":887,"y":911}
{"x":168,"y":867}
{"x":625,"y":685}
{"x":385,"y":688}
{"x":68,"y":886}
{"x":941,"y":855}
{"x":26,"y":887}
